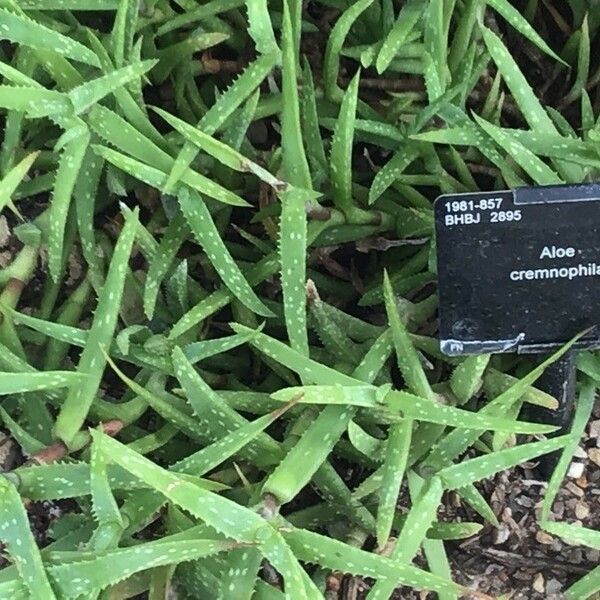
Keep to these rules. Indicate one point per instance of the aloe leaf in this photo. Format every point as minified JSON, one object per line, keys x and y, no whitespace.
{"x":222,"y":297}
{"x":26,"y":441}
{"x":456,"y":442}
{"x":390,"y":171}
{"x":294,"y":161}
{"x":13,"y":128}
{"x":583,"y":411}
{"x":168,"y":410}
{"x":392,"y":472}
{"x":214,"y":454}
{"x":341,"y":149}
{"x":292,"y":256}
{"x":174,"y":236}
{"x":198,"y":351}
{"x":58,"y":68}
{"x":469,"y":471}
{"x":202,"y":226}
{"x":64,"y":184}
{"x":157,"y":178}
{"x":485,"y":146}
{"x":364,"y":442}
{"x":583,"y":64}
{"x":495,"y":382}
{"x":406,"y":354}
{"x":121,"y":38}
{"x":466,"y":378}
{"x":98,"y":572}
{"x":335,"y":41}
{"x":414,"y":530}
{"x":220,"y":151}
{"x":15,"y":383}
{"x":307,"y":368}
{"x":309,"y":118}
{"x":574,"y":533}
{"x":218,"y":113}
{"x":405,"y":405}
{"x":64,"y":333}
{"x":227,"y":517}
{"x":531,"y":164}
{"x":333,"y":554}
{"x":239,"y":578}
{"x":19,"y":29}
{"x":89,"y":93}
{"x":524,"y":96}
{"x":15,"y":532}
{"x":332,"y":335}
{"x":461,"y":43}
{"x":405,"y":22}
{"x":10,"y":182}
{"x":436,"y":49}
{"x":121,"y":134}
{"x":217,"y":417}
{"x":540,"y":143}
{"x":104,"y":506}
{"x":69,"y":4}
{"x":195,"y":14}
{"x":66,"y":480}
{"x":520,"y":23}
{"x":35,"y":102}
{"x":171,"y":56}
{"x":433,"y":548}
{"x":260,"y":27}
{"x":77,"y":403}
{"x":312,"y":450}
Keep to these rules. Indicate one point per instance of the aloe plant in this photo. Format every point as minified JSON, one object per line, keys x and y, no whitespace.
{"x":220,"y":322}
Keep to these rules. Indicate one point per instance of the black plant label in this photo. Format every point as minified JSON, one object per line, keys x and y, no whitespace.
{"x":518,"y":270}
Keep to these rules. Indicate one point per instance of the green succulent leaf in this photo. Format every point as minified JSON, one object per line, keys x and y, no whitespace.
{"x":19,"y":29}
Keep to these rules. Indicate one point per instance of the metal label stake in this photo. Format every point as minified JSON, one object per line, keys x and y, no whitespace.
{"x":559,"y":381}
